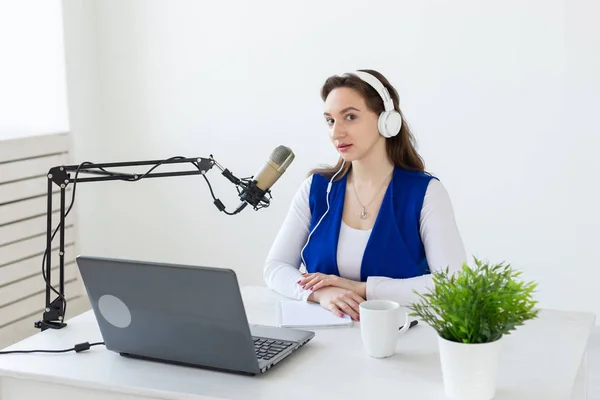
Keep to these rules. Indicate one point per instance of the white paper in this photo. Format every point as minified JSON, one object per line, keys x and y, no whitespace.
{"x":299,"y":314}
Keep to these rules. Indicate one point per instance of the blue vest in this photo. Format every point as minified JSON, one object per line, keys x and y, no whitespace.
{"x":394,"y":248}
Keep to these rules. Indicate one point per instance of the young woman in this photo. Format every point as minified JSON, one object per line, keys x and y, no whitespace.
{"x":375,"y":225}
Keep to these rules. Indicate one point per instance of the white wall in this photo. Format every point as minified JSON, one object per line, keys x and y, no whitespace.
{"x":502,"y":98}
{"x":32,"y":69}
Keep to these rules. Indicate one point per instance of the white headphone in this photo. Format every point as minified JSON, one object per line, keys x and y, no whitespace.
{"x":390,"y":120}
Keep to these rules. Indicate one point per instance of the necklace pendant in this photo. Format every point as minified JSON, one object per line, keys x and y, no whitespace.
{"x":363,"y":214}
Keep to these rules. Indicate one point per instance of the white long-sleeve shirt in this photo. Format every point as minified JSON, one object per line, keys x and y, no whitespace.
{"x":439,"y":234}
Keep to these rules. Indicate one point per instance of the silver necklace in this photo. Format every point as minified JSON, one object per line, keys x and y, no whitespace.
{"x":363,"y":213}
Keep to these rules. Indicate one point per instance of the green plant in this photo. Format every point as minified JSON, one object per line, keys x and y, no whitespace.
{"x":476,"y":305}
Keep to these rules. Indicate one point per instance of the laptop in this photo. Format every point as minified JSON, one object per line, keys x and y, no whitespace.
{"x":181,"y":314}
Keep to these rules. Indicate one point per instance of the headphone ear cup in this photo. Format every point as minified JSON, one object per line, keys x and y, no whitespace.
{"x":389,"y":123}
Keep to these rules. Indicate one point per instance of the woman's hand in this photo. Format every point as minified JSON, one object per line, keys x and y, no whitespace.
{"x":318,"y":281}
{"x":338,"y":301}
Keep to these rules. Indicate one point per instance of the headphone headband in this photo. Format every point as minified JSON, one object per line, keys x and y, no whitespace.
{"x":376,"y":84}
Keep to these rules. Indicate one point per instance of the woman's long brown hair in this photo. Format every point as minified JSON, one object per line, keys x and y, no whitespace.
{"x":400,"y":148}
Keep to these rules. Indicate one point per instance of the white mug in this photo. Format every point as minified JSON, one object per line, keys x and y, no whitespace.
{"x":380,"y":322}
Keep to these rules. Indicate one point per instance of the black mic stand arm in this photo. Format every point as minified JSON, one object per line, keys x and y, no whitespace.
{"x":54,"y":312}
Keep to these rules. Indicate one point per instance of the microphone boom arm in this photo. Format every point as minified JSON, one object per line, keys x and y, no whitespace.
{"x":55,"y":310}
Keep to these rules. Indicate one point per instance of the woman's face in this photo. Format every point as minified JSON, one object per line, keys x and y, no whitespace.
{"x":352,"y":126}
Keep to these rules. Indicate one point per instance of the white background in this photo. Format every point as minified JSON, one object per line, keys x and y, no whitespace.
{"x":502,"y":97}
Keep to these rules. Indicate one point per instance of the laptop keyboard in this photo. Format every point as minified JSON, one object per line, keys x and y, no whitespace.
{"x":266,"y":348}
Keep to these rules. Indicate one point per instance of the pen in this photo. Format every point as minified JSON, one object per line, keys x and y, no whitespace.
{"x":412,"y":323}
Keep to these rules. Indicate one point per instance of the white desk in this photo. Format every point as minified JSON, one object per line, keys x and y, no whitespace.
{"x":544,"y":359}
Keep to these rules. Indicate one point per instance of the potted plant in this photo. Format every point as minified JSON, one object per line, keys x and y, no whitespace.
{"x":472,"y":310}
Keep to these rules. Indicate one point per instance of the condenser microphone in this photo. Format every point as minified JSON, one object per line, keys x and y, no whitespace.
{"x":254,"y":193}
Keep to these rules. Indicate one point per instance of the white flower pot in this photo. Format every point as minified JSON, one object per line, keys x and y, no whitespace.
{"x":469,"y":370}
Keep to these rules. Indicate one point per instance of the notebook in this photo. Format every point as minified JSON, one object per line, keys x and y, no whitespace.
{"x":299,"y":314}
